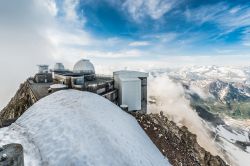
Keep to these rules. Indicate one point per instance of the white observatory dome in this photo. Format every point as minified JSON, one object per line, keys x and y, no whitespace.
{"x":59,"y":67}
{"x":84,"y":66}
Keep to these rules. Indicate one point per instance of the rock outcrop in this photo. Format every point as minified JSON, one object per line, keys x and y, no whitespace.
{"x":17,"y":105}
{"x":177,"y":144}
{"x":11,"y":155}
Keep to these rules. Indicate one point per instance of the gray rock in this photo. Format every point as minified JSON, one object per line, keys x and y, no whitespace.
{"x":11,"y":155}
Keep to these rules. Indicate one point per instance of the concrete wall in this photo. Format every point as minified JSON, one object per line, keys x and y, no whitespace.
{"x":130,"y":93}
{"x":144,"y":95}
{"x":43,"y":78}
{"x":132,"y":74}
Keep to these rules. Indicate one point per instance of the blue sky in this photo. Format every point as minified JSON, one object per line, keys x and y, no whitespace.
{"x":156,"y":29}
{"x":137,"y":31}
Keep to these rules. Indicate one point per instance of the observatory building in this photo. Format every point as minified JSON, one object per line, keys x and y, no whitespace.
{"x":59,"y":67}
{"x":43,"y":75}
{"x":124,"y":88}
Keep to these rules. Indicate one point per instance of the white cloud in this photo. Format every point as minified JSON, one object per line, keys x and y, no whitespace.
{"x":139,"y":43}
{"x":74,"y":37}
{"x":31,"y":34}
{"x":228,"y":18}
{"x":69,"y":9}
{"x":51,"y":6}
{"x":234,"y":10}
{"x":224,"y":51}
{"x":246,"y":44}
{"x":170,"y":97}
{"x":153,"y":8}
{"x":115,"y":54}
{"x":167,"y":37}
{"x":246,"y":38}
{"x":72,"y":54}
{"x":23,"y":42}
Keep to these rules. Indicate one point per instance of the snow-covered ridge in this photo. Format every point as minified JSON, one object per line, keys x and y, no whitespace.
{"x":73,"y":127}
{"x":209,"y":73}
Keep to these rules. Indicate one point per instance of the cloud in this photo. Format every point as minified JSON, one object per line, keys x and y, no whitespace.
{"x":155,"y":9}
{"x":166,"y":37}
{"x":72,"y":55}
{"x":50,"y":5}
{"x":23,"y":42}
{"x":139,"y":43}
{"x":69,"y":8}
{"x":231,"y":22}
{"x":246,"y":38}
{"x":226,"y":17}
{"x":170,"y":98}
{"x":32,"y":33}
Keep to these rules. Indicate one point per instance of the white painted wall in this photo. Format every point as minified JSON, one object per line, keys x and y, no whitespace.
{"x":130,"y":93}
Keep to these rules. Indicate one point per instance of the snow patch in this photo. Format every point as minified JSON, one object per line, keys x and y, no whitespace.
{"x":72,"y":127}
{"x":18,"y":134}
{"x":58,"y":86}
{"x":232,"y":136}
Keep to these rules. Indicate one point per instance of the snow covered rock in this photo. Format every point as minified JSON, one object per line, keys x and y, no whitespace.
{"x":72,"y":127}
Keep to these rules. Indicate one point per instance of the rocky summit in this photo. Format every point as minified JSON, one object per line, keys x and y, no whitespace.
{"x":177,"y":144}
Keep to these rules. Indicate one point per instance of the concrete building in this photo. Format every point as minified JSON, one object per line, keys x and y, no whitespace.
{"x":59,"y":67}
{"x":132,"y":87}
{"x":84,"y":66}
{"x":127,"y":88}
{"x":43,"y":75}
{"x":83,"y":77}
{"x":43,"y":69}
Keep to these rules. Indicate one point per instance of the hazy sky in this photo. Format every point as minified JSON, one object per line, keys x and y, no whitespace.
{"x":119,"y":33}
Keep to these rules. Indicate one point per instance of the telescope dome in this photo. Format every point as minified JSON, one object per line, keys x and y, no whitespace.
{"x":59,"y":67}
{"x":84,"y":66}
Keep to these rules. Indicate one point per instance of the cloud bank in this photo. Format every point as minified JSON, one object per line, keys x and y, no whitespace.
{"x":170,"y":98}
{"x":23,"y":44}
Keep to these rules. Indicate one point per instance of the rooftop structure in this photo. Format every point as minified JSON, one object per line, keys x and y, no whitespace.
{"x":127,"y":88}
{"x":132,"y":87}
{"x":43,"y":75}
{"x":84,"y":66}
{"x":59,"y":67}
{"x":43,"y":68}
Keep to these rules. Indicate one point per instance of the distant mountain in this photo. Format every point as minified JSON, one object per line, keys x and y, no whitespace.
{"x":216,"y":89}
{"x":221,"y":98}
{"x":229,"y":92}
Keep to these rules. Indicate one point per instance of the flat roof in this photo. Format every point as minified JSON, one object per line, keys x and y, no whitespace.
{"x":100,"y":80}
{"x":131,"y":73}
{"x":128,"y":79}
{"x":40,"y":90}
{"x":68,"y":73}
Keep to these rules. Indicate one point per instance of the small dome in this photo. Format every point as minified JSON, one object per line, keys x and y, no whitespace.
{"x":59,"y":67}
{"x":84,"y":66}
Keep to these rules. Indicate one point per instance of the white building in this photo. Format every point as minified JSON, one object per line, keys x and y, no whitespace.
{"x":84,"y":66}
{"x":59,"y":67}
{"x":43,"y":68}
{"x":127,"y":88}
{"x":132,"y":89}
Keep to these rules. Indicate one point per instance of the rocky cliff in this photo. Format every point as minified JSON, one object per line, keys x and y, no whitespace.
{"x":17,"y":105}
{"x":177,"y":144}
